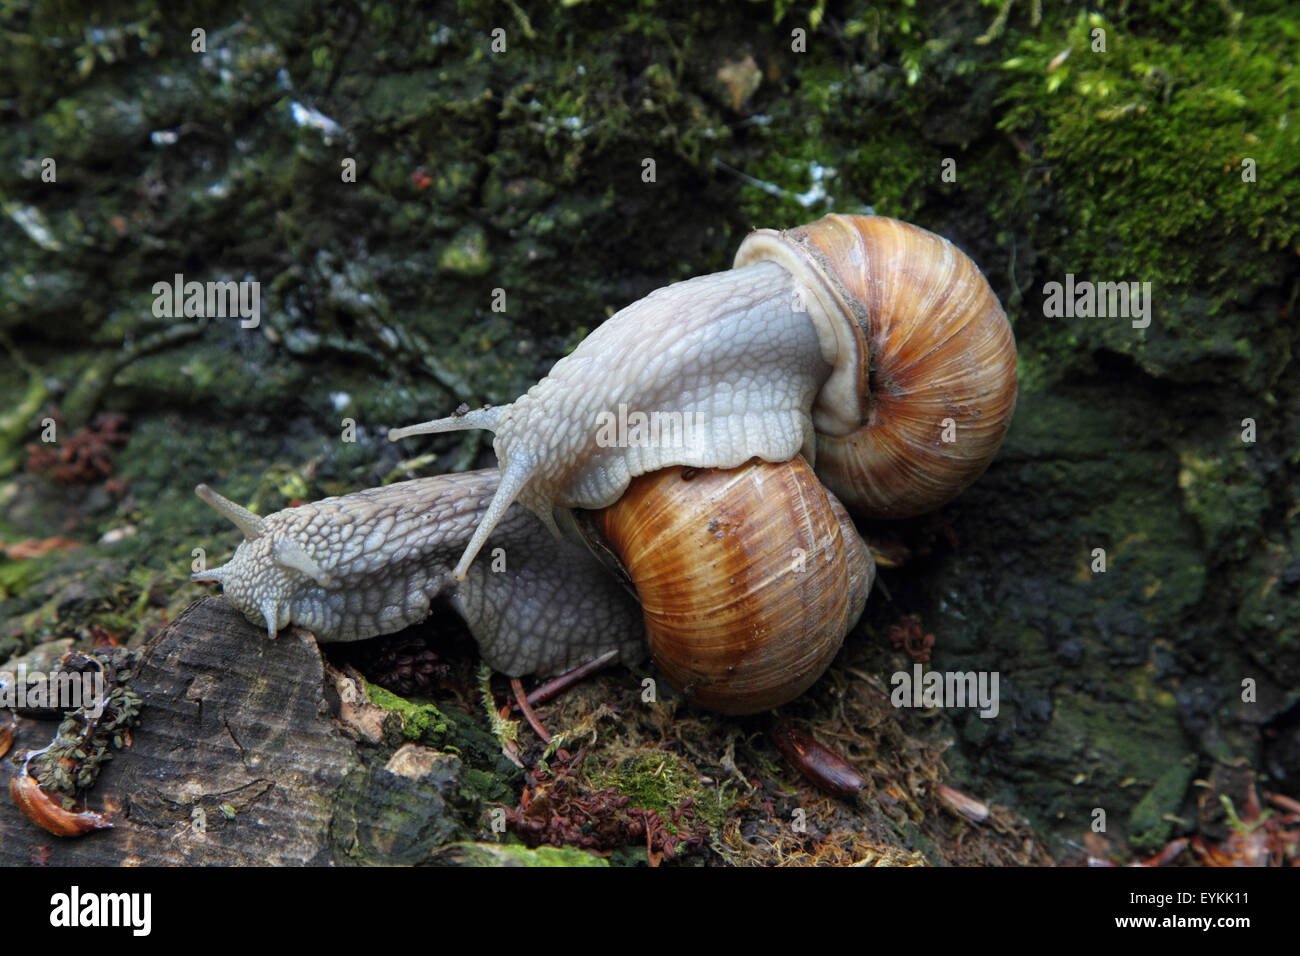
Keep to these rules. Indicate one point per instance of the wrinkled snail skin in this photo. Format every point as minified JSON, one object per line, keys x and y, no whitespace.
{"x":725,"y":352}
{"x":851,"y":340}
{"x":746,"y":580}
{"x":370,"y":563}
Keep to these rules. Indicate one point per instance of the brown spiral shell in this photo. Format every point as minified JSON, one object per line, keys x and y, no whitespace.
{"x":749,"y":578}
{"x":915,"y":337}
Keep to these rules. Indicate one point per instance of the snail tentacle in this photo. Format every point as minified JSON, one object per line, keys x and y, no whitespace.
{"x":485,"y":417}
{"x":514,"y":479}
{"x":241,"y":517}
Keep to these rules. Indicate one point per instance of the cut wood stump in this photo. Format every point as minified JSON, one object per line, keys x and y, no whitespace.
{"x":249,"y":751}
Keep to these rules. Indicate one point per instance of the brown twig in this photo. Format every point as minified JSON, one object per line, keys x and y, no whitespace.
{"x":522,"y":701}
{"x":557,"y":685}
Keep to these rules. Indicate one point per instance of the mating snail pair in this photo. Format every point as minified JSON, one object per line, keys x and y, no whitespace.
{"x":866,"y":348}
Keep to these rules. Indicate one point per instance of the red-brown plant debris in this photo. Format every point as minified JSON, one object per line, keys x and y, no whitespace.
{"x":83,"y":458}
{"x":1258,"y":836}
{"x":35,"y":548}
{"x":555,"y":810}
{"x":907,"y":635}
{"x":1262,"y":837}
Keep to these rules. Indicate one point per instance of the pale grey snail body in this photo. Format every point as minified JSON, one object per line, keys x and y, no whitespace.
{"x":372,"y":563}
{"x":871,"y":348}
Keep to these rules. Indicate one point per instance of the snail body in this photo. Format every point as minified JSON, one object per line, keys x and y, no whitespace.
{"x":691,"y":348}
{"x":748,"y":579}
{"x":372,"y":562}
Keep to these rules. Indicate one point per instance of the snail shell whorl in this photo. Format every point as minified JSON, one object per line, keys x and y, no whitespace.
{"x":936,"y":344}
{"x":748,"y":577}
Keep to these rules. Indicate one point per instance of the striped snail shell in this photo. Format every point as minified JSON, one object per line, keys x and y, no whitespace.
{"x":748,"y":578}
{"x":920,"y":345}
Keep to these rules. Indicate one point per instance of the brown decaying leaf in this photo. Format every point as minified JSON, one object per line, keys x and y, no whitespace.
{"x":35,"y":547}
{"x":48,"y":814}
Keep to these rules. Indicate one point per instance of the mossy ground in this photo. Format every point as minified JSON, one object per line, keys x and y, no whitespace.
{"x":524,"y":171}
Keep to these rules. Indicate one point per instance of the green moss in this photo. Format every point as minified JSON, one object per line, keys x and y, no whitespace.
{"x":512,"y":854}
{"x":661,"y":782}
{"x":1269,"y":612}
{"x":18,"y":576}
{"x":73,"y":594}
{"x":487,"y":773}
{"x":23,"y":404}
{"x":1143,"y":147}
{"x":1226,"y":495}
{"x":1124,"y":736}
{"x":1149,"y":823}
{"x":421,"y":722}
{"x":467,"y":253}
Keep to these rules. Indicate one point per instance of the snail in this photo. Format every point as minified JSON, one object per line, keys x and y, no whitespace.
{"x":854,"y":340}
{"x":866,"y":348}
{"x":748,"y":579}
{"x":370,"y":563}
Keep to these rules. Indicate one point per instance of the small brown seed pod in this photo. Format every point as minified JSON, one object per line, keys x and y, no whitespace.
{"x":822,"y":767}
